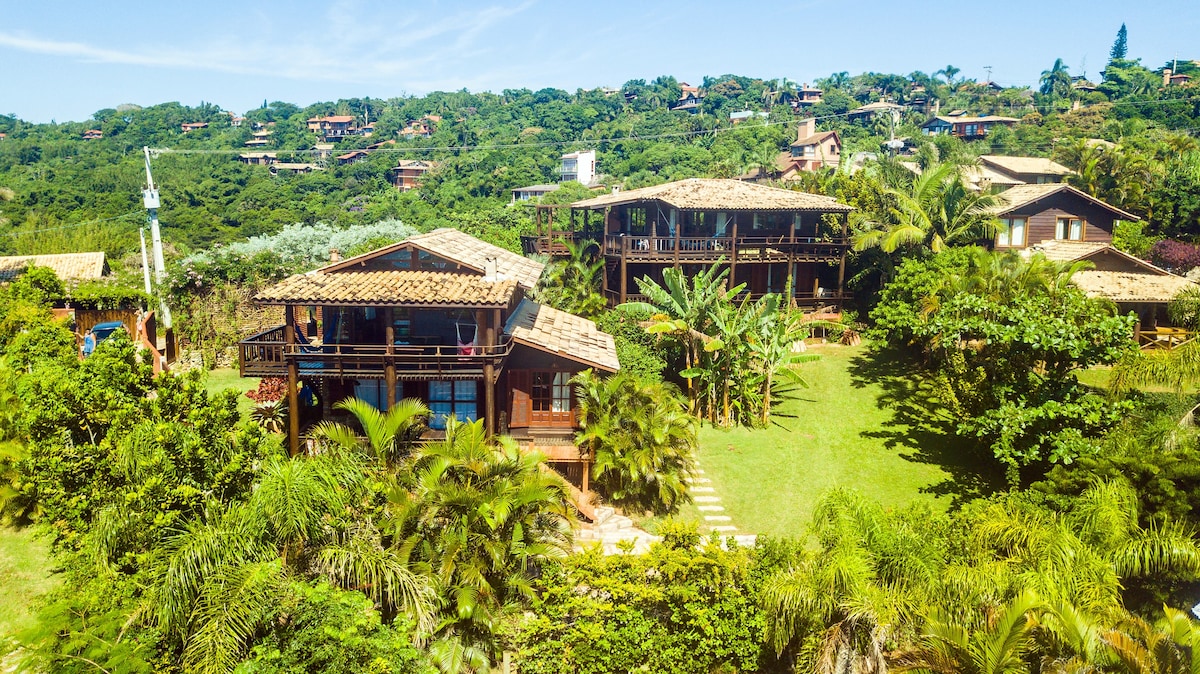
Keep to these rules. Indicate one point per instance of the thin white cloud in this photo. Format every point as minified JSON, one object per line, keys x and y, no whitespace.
{"x":350,"y":45}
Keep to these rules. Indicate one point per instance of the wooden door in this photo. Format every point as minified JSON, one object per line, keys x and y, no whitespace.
{"x":550,"y":396}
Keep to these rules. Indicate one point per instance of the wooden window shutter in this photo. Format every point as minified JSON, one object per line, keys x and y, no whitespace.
{"x":522,"y":403}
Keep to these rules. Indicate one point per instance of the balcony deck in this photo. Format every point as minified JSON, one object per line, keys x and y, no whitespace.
{"x":268,"y":355}
{"x":801,"y":299}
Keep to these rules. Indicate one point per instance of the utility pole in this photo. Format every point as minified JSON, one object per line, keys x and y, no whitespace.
{"x":145,"y":261}
{"x":988,"y":70}
{"x":151,"y":200}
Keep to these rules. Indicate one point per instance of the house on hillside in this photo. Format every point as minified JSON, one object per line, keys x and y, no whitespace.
{"x":258,"y":158}
{"x":323,"y":151}
{"x":873,"y":109}
{"x":93,"y":134}
{"x":965,"y":126}
{"x":806,"y":97}
{"x":1031,"y":215}
{"x":578,"y":166}
{"x":236,"y":122}
{"x":1032,"y":170}
{"x":812,"y":150}
{"x":407,"y":173}
{"x":442,"y":317}
{"x":1134,"y":285}
{"x":189,"y":127}
{"x":3,"y":136}
{"x":352,"y":157}
{"x":1174,"y":79}
{"x":532,"y":192}
{"x":689,"y":99}
{"x":736,"y":118}
{"x":282,"y":167}
{"x":768,"y":237}
{"x":333,"y":127}
{"x":259,"y":138}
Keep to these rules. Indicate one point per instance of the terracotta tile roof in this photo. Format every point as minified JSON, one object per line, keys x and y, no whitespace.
{"x":1120,"y":286}
{"x":68,"y":266}
{"x":463,"y":249}
{"x":815,"y":138}
{"x":1023,"y":195}
{"x":389,"y":288}
{"x":548,"y":329}
{"x":720,"y":194}
{"x":1037,"y":165}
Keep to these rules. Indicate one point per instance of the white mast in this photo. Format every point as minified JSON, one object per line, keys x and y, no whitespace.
{"x":150,"y":198}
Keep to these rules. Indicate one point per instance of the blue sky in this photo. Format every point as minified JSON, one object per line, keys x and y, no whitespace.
{"x":65,"y":60}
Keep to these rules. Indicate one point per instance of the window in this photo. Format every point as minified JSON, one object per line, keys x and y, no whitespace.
{"x":1011,"y":232}
{"x":551,"y":392}
{"x":452,"y":398}
{"x":1069,"y":229}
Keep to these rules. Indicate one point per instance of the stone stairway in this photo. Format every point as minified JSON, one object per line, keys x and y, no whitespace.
{"x":615,"y":533}
{"x":709,"y":505}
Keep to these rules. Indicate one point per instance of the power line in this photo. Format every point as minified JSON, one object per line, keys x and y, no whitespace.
{"x":73,"y":226}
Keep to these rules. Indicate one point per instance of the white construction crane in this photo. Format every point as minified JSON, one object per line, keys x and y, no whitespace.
{"x":150,"y":198}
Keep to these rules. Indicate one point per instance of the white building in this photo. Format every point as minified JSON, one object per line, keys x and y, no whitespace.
{"x":579,"y":166}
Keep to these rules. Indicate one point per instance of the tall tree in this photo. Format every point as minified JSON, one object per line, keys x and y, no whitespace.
{"x":1120,"y":47}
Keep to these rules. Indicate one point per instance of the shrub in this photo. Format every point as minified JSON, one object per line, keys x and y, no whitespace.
{"x":1175,"y":256}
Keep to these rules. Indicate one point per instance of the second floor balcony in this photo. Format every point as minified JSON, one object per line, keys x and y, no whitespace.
{"x":707,"y":249}
{"x":267,"y":354}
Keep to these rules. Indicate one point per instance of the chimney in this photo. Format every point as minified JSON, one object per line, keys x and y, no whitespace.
{"x":489,"y":270}
{"x":335,"y":256}
{"x":808,"y":127}
{"x":1166,"y":77}
{"x":616,"y":189}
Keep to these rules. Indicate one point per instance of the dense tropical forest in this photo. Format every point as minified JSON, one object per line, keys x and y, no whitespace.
{"x":185,"y":538}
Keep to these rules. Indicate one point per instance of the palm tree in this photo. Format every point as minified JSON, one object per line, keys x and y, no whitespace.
{"x":478,"y":518}
{"x":387,"y":436}
{"x":1057,"y":80}
{"x":572,"y":283}
{"x":937,"y":212}
{"x":997,"y":646}
{"x":948,"y":72}
{"x":641,"y":440}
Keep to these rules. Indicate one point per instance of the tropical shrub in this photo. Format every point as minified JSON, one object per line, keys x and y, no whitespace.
{"x":1175,"y":256}
{"x":641,"y":440}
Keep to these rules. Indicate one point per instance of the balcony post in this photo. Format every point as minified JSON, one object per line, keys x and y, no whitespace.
{"x":486,"y":321}
{"x":624,"y":270}
{"x":842,"y":262}
{"x":389,"y":363}
{"x":678,"y":227}
{"x":733,"y":252}
{"x":293,"y":392}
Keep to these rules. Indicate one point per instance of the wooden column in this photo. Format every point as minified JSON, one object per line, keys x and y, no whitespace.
{"x":485,"y":323}
{"x":678,"y":227}
{"x":389,"y":367}
{"x":791,"y":265}
{"x":624,"y":270}
{"x":587,"y":468}
{"x":842,"y":263}
{"x":293,"y":391}
{"x":733,"y":248}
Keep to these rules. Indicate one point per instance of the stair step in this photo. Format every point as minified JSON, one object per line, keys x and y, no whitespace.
{"x":702,"y":490}
{"x":700,"y":480}
{"x":710,"y":508}
{"x":724,"y":528}
{"x":717,"y":518}
{"x":706,"y":499}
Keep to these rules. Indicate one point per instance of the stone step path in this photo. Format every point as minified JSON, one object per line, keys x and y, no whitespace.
{"x":708,"y":503}
{"x":615,"y":533}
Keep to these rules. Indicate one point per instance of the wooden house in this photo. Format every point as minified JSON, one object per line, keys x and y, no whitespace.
{"x":812,"y":150}
{"x":353,"y":157}
{"x":966,"y":127}
{"x":69,"y":267}
{"x":189,"y":127}
{"x":258,"y":158}
{"x":807,"y":96}
{"x":533,"y":192}
{"x":333,"y":127}
{"x":1033,"y":214}
{"x":407,"y":173}
{"x":774,"y":240}
{"x":293,"y":167}
{"x":689,"y":100}
{"x":93,"y":134}
{"x":1133,"y":285}
{"x":441,"y":317}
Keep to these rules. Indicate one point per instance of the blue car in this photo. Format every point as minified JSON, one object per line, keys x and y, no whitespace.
{"x":103,"y":331}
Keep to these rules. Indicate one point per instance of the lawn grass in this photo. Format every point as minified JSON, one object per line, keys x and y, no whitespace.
{"x":863,"y":423}
{"x":228,"y":378}
{"x":25,"y":574}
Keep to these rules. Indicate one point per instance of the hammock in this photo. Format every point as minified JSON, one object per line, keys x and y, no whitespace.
{"x":466,"y":347}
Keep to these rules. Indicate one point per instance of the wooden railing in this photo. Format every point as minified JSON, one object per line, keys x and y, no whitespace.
{"x":267,"y":355}
{"x":1164,"y":338}
{"x":549,"y":244}
{"x":712,"y":248}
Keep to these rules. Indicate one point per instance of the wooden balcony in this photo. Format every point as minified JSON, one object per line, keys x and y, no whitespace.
{"x":554,"y":244}
{"x":711,"y":249}
{"x":268,"y":355}
{"x":824,"y":298}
